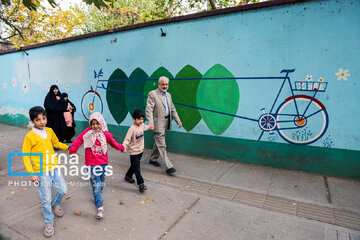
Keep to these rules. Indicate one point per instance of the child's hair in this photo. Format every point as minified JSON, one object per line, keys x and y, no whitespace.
{"x":35,"y":111}
{"x":138,"y":114}
{"x":64,"y":95}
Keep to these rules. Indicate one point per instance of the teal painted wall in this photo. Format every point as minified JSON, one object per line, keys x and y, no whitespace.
{"x":319,"y":39}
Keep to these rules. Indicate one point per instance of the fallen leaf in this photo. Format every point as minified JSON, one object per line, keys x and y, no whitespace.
{"x":113,"y":191}
{"x":121,"y":202}
{"x":12,"y":189}
{"x":12,"y":192}
{"x":254,"y":171}
{"x":149,"y":200}
{"x":294,"y":204}
{"x":217,"y":160}
{"x":165,"y":233}
{"x":132,"y":229}
{"x":142,"y":202}
{"x":164,"y":219}
{"x":77,"y":213}
{"x":68,"y":196}
{"x":150,"y":214}
{"x":186,"y":210}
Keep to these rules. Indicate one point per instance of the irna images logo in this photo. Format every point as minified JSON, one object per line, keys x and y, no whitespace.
{"x":11,"y":155}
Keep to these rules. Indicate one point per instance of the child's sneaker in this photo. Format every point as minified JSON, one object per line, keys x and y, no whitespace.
{"x":49,"y":230}
{"x":142,"y":188}
{"x":58,"y":211}
{"x":100,"y":213}
{"x":129,"y":180}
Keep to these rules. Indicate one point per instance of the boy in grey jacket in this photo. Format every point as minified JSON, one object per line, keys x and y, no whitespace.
{"x":134,"y":142}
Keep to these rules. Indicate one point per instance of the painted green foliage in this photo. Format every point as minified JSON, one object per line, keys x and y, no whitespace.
{"x":218,"y":95}
{"x":116,"y":100}
{"x":185,"y":92}
{"x":153,"y":84}
{"x":136,"y":87}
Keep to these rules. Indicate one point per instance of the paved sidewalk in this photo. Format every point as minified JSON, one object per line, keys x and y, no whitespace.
{"x":226,"y":200}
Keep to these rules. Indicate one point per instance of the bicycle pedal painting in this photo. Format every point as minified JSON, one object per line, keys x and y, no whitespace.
{"x":294,"y":113}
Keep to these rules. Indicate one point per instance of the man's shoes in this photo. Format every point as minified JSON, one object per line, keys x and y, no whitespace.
{"x":170,"y":171}
{"x":155,"y":163}
{"x":142,"y":188}
{"x":129,"y":180}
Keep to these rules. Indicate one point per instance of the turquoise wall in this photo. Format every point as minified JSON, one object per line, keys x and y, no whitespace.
{"x":230,"y":69}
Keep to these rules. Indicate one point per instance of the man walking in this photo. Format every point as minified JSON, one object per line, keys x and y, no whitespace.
{"x":159,"y":112}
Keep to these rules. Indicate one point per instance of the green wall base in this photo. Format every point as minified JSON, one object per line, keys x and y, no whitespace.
{"x":327,"y":161}
{"x":14,"y":119}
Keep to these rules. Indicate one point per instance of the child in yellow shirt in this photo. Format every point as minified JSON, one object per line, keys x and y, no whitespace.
{"x":42,"y":140}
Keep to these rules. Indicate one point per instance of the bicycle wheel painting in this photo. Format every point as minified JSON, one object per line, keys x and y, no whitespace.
{"x":303,"y":122}
{"x":90,"y":103}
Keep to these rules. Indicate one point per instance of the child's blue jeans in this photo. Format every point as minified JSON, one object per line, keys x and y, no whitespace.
{"x":48,"y":179}
{"x":97,"y":180}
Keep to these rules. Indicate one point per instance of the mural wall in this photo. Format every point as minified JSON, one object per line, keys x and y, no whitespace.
{"x":276,"y":86}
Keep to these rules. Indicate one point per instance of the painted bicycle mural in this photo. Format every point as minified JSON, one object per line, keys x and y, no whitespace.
{"x":300,"y":110}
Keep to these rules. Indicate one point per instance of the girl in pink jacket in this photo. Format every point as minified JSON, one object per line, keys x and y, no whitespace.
{"x":96,"y":139}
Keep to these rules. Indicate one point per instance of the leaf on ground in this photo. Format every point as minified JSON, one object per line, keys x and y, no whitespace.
{"x":132,"y":229}
{"x":121,"y":202}
{"x":77,"y":213}
{"x":164,"y":219}
{"x":142,"y":202}
{"x":68,"y":196}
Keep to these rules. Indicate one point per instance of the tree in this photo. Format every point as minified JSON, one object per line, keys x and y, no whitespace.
{"x":121,"y":13}
{"x":45,"y":24}
{"x":9,"y":8}
{"x":126,"y":12}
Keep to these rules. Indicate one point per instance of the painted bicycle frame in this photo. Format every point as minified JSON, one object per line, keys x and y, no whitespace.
{"x":289,"y":117}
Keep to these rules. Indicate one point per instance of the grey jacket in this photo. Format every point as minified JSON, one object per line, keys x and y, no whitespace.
{"x":155,"y":110}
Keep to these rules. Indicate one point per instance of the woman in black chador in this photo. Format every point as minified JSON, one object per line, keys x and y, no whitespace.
{"x":69,"y":118}
{"x":55,"y":106}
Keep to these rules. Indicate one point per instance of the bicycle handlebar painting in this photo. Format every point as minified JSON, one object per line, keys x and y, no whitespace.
{"x":189,"y":88}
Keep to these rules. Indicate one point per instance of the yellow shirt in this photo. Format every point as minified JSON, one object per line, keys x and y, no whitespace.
{"x":33,"y":143}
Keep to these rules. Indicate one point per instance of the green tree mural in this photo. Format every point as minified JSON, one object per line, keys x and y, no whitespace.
{"x":116,"y":101}
{"x":136,"y":87}
{"x":185,"y":92}
{"x":218,"y":95}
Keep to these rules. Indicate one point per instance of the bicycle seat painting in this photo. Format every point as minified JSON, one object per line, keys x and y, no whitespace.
{"x":300,"y":118}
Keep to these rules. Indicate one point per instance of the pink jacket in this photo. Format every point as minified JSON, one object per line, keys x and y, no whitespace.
{"x":95,"y":158}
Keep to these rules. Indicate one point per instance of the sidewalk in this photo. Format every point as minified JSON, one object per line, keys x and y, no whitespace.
{"x":293,"y":195}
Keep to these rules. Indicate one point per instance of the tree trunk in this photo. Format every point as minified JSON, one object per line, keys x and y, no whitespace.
{"x":212,"y":4}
